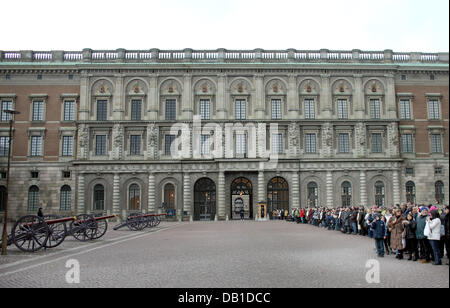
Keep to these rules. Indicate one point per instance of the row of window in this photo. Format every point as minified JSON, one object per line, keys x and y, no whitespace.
{"x":405,"y":109}
{"x":408,"y":143}
{"x":38,"y":110}
{"x":36,"y":148}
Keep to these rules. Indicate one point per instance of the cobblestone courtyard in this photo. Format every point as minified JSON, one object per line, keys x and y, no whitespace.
{"x":231,"y":254}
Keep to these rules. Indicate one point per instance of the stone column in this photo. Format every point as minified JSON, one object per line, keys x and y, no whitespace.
{"x":187,"y":108}
{"x":187,"y":195}
{"x":118,"y":99}
{"x":221,"y":195}
{"x":358,"y":97}
{"x":396,"y":187}
{"x":81,"y":208}
{"x":292,"y":99}
{"x":222,"y":112}
{"x":153,"y":99}
{"x":259,"y":100}
{"x":391,"y":104}
{"x":363,"y":188}
{"x":116,"y":194}
{"x":262,"y":196}
{"x":329,"y":183}
{"x":83,"y":112}
{"x":295,"y":191}
{"x":151,"y":193}
{"x":326,"y":98}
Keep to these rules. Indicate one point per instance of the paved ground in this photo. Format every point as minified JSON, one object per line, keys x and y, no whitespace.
{"x":218,"y":254}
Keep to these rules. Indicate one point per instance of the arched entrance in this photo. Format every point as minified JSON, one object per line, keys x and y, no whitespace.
{"x":204,"y":199}
{"x":277,"y":194}
{"x":241,"y":198}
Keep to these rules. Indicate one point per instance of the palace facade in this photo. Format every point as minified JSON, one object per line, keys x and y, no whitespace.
{"x":203,"y":134}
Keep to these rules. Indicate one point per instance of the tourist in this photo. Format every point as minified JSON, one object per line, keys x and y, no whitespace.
{"x":424,"y":245}
{"x":446,"y":231}
{"x":434,"y":223}
{"x":379,"y":232}
{"x":396,"y":228}
{"x":411,"y":240}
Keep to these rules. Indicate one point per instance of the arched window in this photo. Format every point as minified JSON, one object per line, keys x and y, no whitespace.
{"x":99,"y":197}
{"x":65,"y":198}
{"x":169,"y":196}
{"x":379,"y":194}
{"x":277,"y":194}
{"x":313,"y":194}
{"x":33,"y":199}
{"x":134,"y":193}
{"x":204,"y":199}
{"x":2,"y":198}
{"x":346,"y":194}
{"x":439,"y":192}
{"x":411,"y":192}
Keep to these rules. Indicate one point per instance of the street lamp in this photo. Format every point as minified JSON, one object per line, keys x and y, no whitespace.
{"x":5,"y":232}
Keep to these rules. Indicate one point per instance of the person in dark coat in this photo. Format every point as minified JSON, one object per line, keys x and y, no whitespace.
{"x":353,"y":216}
{"x":424,"y":244}
{"x":396,"y":227}
{"x":411,"y":240}
{"x":447,"y":227}
{"x":379,"y":232}
{"x":242,"y":213}
{"x":40,"y":213}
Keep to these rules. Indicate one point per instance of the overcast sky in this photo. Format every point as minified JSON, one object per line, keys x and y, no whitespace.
{"x":401,"y":25}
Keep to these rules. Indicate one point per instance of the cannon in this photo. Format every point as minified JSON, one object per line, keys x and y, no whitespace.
{"x":31,"y":233}
{"x":139,"y":221}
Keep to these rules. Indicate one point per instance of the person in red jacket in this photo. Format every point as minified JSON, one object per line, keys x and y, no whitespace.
{"x":302,"y":215}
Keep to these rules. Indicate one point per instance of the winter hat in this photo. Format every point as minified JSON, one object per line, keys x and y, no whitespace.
{"x":423,"y":208}
{"x":433,"y":208}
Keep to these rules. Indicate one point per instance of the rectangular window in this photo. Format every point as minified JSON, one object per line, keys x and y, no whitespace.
{"x":342,"y":108}
{"x":310,"y":112}
{"x":377,"y":143}
{"x":102,"y":110}
{"x":100,"y":145}
{"x":436,"y":146}
{"x":4,"y":146}
{"x":438,"y":170}
{"x":69,"y":111}
{"x":276,"y":109}
{"x":405,"y":109}
{"x":433,"y":110}
{"x":344,"y":143}
{"x":241,"y":144}
{"x":407,"y":143}
{"x":36,"y":144}
{"x":38,"y":111}
{"x":310,"y":143}
{"x":67,"y":146}
{"x":205,"y":110}
{"x":6,"y":106}
{"x":169,"y":139}
{"x":135,"y":145}
{"x":277,"y":143}
{"x":375,"y":109}
{"x":409,"y":171}
{"x":205,"y":146}
{"x":240,"y":109}
{"x":171,"y":109}
{"x":136,"y":110}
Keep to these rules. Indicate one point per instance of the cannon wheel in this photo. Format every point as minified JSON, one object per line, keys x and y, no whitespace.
{"x":151,"y":222}
{"x":84,"y":228}
{"x":57,"y":232}
{"x":30,"y":233}
{"x":102,"y":226}
{"x":136,"y":224}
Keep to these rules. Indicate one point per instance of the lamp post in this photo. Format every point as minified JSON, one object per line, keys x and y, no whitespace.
{"x":5,"y":232}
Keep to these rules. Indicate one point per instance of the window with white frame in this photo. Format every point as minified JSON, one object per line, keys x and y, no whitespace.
{"x":276,"y":109}
{"x":342,"y":106}
{"x":436,"y":145}
{"x":135,"y":144}
{"x":205,"y":145}
{"x":102,"y":110}
{"x":69,"y":111}
{"x":4,"y":146}
{"x":67,"y":146}
{"x":36,"y":146}
{"x":433,"y":110}
{"x":205,"y":109}
{"x":100,"y":145}
{"x":277,"y":143}
{"x":375,"y":109}
{"x":241,"y":144}
{"x":136,"y":110}
{"x":37,"y":111}
{"x":6,"y":105}
{"x":377,"y":143}
{"x":310,"y":143}
{"x":407,"y":143}
{"x":405,"y":109}
{"x":310,"y":112}
{"x":344,"y":143}
{"x":241,"y":109}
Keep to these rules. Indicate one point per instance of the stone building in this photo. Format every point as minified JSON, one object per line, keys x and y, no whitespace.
{"x":202,"y":134}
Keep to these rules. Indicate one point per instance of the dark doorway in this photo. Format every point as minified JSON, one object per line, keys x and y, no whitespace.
{"x":204,"y":200}
{"x":277,"y":194}
{"x":241,"y":198}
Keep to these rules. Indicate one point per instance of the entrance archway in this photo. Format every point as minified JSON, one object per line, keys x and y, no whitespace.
{"x":277,"y":194}
{"x":241,"y":198}
{"x":204,"y":199}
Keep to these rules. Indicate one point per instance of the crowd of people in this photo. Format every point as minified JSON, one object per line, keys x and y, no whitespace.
{"x":418,"y":231}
